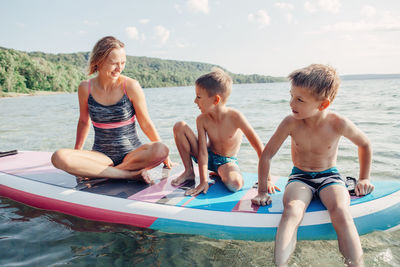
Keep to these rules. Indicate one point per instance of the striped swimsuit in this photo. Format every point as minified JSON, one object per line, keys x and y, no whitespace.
{"x":114,"y":126}
{"x":316,"y":181}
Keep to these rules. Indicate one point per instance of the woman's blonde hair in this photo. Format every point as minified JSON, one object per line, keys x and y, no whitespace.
{"x":101,"y":50}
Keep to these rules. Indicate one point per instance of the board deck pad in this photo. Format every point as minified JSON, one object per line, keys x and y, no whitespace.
{"x":218,"y":198}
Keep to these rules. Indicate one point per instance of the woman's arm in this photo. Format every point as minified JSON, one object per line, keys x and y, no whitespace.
{"x":137,"y":97}
{"x":83,"y":126}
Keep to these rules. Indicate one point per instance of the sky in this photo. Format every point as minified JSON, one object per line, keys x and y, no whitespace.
{"x":243,"y":36}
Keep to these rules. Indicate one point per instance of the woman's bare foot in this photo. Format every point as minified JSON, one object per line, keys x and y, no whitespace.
{"x":185,"y":176}
{"x":80,"y":179}
{"x":142,"y":175}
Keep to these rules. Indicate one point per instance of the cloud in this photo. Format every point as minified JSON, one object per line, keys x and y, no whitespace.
{"x":284,"y":5}
{"x":82,"y":33}
{"x":144,"y":21}
{"x":181,"y":44}
{"x":178,"y":8}
{"x":289,"y":17}
{"x":332,"y":6}
{"x":161,"y":33}
{"x":261,"y":17}
{"x":198,"y":6}
{"x":368,"y":11}
{"x":21,"y":25}
{"x":132,"y":33}
{"x":363,"y":26}
{"x":310,"y":7}
{"x":90,"y":23}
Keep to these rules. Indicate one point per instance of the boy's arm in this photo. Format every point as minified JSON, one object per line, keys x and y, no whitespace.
{"x":265,"y":185}
{"x":202,"y":159}
{"x":250,"y":134}
{"x":355,"y":135}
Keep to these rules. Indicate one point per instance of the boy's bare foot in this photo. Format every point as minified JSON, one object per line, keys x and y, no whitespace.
{"x":185,"y":176}
{"x":214,"y":174}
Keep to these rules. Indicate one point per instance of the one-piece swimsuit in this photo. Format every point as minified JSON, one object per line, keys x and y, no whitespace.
{"x":114,"y":126}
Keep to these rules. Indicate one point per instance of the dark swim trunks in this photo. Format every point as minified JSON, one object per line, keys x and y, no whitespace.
{"x":215,"y":161}
{"x":316,"y":181}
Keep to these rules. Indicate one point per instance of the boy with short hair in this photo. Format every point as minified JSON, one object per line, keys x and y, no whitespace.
{"x":315,"y":134}
{"x":222,"y":126}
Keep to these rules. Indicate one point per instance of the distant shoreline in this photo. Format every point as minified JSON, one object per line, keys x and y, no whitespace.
{"x":34,"y":93}
{"x":369,"y":76}
{"x":343,"y":77}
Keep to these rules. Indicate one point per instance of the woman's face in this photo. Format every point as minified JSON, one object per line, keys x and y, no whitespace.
{"x":114,"y":63}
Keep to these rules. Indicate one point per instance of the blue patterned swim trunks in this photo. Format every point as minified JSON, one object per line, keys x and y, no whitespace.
{"x":215,"y":161}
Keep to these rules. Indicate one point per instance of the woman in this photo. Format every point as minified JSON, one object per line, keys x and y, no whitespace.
{"x":112,"y":102}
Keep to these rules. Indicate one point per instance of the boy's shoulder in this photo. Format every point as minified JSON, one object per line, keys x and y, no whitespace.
{"x":289,"y":120}
{"x":233,"y":112}
{"x":339,"y":122}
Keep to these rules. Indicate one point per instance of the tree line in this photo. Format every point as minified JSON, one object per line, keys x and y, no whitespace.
{"x":23,"y":72}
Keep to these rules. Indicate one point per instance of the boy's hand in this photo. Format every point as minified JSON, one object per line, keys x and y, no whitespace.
{"x":271,"y":188}
{"x":201,"y":188}
{"x":168,"y":163}
{"x":261,"y":199}
{"x":363,"y":187}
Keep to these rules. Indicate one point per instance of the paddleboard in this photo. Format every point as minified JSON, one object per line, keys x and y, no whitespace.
{"x":30,"y":178}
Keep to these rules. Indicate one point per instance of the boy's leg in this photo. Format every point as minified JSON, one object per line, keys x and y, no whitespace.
{"x":296,"y":199}
{"x":187,"y":145}
{"x":337,"y":200}
{"x":231,"y":176}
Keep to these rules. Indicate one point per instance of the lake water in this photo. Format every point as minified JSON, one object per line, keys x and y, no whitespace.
{"x":32,"y":237}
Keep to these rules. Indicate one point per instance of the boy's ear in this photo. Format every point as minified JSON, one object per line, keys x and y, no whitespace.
{"x":324,"y":104}
{"x":217,"y":99}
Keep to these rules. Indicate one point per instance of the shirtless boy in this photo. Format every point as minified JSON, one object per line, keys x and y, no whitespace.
{"x":315,"y":134}
{"x":224,"y":128}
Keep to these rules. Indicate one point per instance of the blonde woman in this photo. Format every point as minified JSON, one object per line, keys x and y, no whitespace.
{"x":113,"y":103}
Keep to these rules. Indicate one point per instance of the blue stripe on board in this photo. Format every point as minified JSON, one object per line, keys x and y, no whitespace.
{"x":214,"y":231}
{"x":218,"y":197}
{"x":277,"y":203}
{"x":382,"y":189}
{"x":382,"y":220}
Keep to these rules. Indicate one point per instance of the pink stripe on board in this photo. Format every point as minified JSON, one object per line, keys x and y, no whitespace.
{"x":113,"y":125}
{"x":244,"y":204}
{"x":27,"y":162}
{"x":187,"y":202}
{"x":82,"y":211}
{"x":156,"y":192}
{"x":190,"y":199}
